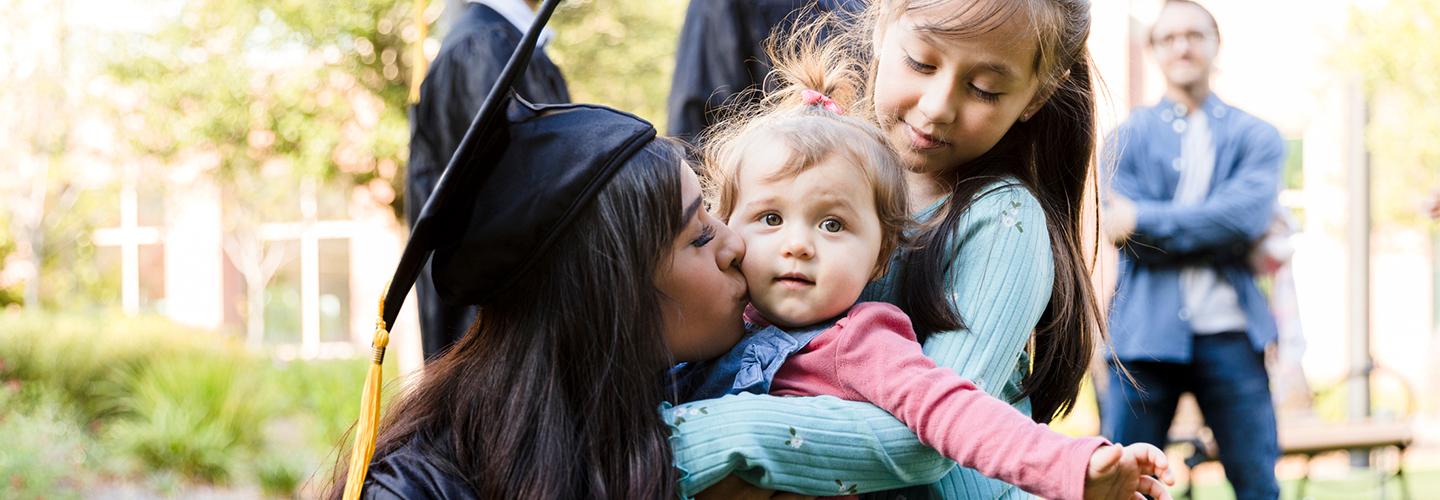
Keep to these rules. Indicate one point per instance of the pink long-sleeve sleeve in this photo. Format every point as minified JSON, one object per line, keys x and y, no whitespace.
{"x":872,"y":355}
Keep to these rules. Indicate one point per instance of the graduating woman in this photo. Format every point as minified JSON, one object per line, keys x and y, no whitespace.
{"x":583,"y":240}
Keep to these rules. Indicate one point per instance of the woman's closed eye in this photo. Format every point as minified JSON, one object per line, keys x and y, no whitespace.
{"x":707,"y":234}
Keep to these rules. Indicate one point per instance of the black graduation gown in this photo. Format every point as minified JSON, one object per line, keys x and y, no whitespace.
{"x":722,"y":52}
{"x":470,"y":61}
{"x":406,"y":474}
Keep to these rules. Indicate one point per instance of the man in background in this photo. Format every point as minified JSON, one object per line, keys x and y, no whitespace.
{"x":1195,"y":183}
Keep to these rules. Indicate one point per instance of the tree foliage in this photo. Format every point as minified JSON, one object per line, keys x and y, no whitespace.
{"x":261,"y":96}
{"x":634,"y":43}
{"x":1397,"y":55}
{"x":285,"y":88}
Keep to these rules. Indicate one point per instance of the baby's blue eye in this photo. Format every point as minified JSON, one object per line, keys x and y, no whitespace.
{"x":832,"y":226}
{"x":771,"y":220}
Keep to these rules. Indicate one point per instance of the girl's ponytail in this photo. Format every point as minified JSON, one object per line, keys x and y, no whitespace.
{"x":815,"y":88}
{"x":805,"y":58}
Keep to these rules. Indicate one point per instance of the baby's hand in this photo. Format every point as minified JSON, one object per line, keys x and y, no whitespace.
{"x":1126,"y":473}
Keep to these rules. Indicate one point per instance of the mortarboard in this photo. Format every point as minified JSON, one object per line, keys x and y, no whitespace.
{"x":518,"y":177}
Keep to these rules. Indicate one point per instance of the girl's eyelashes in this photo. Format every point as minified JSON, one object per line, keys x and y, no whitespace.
{"x":771,"y":219}
{"x":989,"y":97}
{"x":918,"y":66}
{"x":707,"y":233}
{"x":832,"y":225}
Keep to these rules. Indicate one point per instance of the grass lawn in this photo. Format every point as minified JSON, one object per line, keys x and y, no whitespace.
{"x":1357,"y":484}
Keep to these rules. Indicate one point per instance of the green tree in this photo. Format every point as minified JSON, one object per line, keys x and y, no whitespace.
{"x":1397,"y":55}
{"x":46,"y":219}
{"x":635,"y":42}
{"x":271,"y":95}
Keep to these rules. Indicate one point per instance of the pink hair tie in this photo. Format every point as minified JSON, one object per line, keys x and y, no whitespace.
{"x":815,"y":98}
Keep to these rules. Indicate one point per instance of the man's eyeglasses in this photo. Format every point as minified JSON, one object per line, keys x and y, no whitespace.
{"x":1167,"y":41}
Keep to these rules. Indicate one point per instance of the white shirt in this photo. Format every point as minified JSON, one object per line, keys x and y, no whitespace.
{"x":1211,"y":304}
{"x":519,"y":14}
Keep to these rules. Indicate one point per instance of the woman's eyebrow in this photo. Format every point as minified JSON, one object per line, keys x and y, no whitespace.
{"x":690,"y":210}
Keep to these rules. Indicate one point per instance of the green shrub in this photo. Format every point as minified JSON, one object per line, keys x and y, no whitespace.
{"x":326,"y":394}
{"x":163,"y":401}
{"x":279,"y":475}
{"x":89,"y":359}
{"x":43,"y":448}
{"x":196,"y":415}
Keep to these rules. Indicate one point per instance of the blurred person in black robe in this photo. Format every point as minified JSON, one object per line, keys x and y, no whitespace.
{"x":471,"y":58}
{"x":722,"y":53}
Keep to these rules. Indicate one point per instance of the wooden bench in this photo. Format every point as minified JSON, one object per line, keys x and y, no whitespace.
{"x":1309,"y":438}
{"x":1314,"y":438}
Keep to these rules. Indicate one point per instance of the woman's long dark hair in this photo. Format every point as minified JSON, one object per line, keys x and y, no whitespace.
{"x":553,"y":391}
{"x":1053,"y":156}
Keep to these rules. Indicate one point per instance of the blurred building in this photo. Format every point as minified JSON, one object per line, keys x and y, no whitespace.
{"x":163,"y":236}
{"x":328,"y":259}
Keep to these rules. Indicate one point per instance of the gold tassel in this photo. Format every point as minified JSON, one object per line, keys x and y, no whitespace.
{"x":420,"y":63}
{"x":368,"y":425}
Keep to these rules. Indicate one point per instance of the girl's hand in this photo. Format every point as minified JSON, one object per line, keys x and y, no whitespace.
{"x":732,"y":487}
{"x":1127,"y":473}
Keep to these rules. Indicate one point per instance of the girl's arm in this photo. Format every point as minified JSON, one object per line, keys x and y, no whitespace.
{"x":1000,"y":281}
{"x":810,"y":445}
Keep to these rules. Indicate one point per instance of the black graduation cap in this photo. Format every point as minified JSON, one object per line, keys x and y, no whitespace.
{"x":519,"y":176}
{"x":555,"y":161}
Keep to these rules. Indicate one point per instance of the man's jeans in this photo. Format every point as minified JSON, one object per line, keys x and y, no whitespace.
{"x":1229,"y":381}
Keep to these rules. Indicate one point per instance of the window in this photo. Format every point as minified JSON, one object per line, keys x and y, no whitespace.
{"x":334,"y":300}
{"x":139,"y":239}
{"x":307,"y":302}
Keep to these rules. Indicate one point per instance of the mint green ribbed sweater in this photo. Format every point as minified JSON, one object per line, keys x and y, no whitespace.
{"x":1000,"y":280}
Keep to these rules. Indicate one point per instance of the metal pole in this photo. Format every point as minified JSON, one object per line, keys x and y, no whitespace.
{"x":1358,"y":388}
{"x":1435,"y":282}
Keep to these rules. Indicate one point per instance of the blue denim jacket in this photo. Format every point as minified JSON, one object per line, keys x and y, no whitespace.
{"x":750,"y":366}
{"x":1148,"y":319}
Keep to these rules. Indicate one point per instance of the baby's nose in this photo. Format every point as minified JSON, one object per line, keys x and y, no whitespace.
{"x":799,"y":248}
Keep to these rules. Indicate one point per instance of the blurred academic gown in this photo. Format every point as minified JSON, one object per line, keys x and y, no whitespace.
{"x":471,"y":58}
{"x":722,"y":53}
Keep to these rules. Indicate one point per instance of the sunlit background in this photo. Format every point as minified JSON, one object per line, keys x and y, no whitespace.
{"x":201,"y":206}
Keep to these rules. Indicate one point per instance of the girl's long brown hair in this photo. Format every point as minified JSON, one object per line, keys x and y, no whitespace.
{"x":553,"y":391}
{"x":1052,"y":154}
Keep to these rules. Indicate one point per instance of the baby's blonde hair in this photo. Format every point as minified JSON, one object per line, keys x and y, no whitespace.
{"x":812,"y":132}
